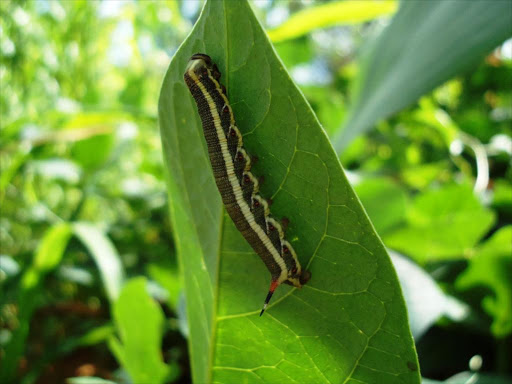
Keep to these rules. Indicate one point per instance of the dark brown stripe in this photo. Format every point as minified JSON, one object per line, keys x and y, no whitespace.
{"x":221,"y":177}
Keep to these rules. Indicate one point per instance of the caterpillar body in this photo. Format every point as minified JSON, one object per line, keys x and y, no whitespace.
{"x":238,"y":187}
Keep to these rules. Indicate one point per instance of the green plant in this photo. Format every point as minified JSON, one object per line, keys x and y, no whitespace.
{"x":87,"y":257}
{"x":349,"y":322}
{"x":427,"y":43}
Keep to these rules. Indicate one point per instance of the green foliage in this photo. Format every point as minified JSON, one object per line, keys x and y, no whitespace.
{"x":105,"y":255}
{"x":442,"y":224}
{"x":349,"y":322}
{"x":139,"y":321}
{"x":426,"y":43}
{"x":492,"y":266}
{"x":333,"y":13}
{"x":83,"y":197}
{"x":502,"y":200}
{"x":93,"y":152}
{"x":373,"y":192}
{"x":48,"y":256}
{"x":78,"y":145}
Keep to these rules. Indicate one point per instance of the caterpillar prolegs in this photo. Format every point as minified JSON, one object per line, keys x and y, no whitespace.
{"x":237,"y":185}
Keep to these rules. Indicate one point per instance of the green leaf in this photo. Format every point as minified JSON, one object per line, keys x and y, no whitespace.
{"x":349,"y":323}
{"x":327,"y":104}
{"x":94,"y":136}
{"x":327,"y":15}
{"x":10,"y":167}
{"x":104,"y":254}
{"x":385,"y":202}
{"x":139,"y":321}
{"x":422,"y":175}
{"x":502,"y":199}
{"x":444,"y":223}
{"x":51,"y":249}
{"x":492,"y":266}
{"x":47,"y":257}
{"x":426,"y":44}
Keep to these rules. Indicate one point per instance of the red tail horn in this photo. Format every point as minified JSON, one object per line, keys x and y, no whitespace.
{"x":273,"y":286}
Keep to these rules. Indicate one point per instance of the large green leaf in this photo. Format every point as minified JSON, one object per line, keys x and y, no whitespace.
{"x":349,"y":323}
{"x":427,"y":43}
{"x":329,"y":14}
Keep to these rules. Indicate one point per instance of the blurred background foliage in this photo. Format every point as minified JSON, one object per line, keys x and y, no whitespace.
{"x":87,"y":267}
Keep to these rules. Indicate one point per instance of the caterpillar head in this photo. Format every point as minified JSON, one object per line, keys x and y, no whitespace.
{"x":202,"y":64}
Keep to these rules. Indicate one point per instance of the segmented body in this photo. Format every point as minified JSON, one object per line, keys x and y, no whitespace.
{"x":238,"y":187}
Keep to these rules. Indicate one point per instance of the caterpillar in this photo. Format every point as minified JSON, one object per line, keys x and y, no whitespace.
{"x":238,"y":187}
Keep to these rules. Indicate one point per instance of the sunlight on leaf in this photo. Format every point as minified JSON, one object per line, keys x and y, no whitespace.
{"x":105,"y":256}
{"x":52,"y":248}
{"x":329,"y":14}
{"x":88,"y":380}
